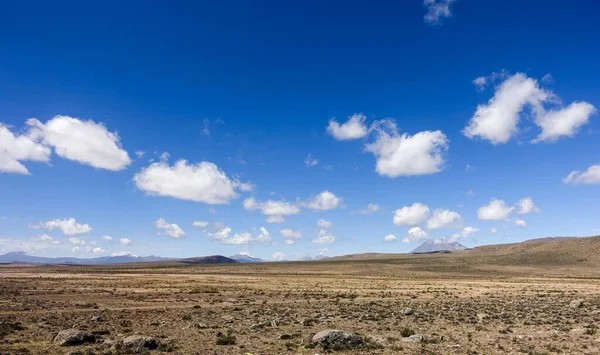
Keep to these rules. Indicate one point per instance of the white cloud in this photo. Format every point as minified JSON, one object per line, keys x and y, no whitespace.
{"x":406,"y":155}
{"x":324,"y":237}
{"x":107,"y":238}
{"x":480,"y":82}
{"x":497,"y":121}
{"x":202,"y":182}
{"x":275,"y":219}
{"x":389,"y":238}
{"x":590,"y":176}
{"x":310,"y":161}
{"x":87,"y":249}
{"x":239,"y":239}
{"x":493,"y":230}
{"x":527,"y":206}
{"x":171,"y":230}
{"x":67,"y":226}
{"x":221,"y":233}
{"x":412,"y":215}
{"x":278,"y":256}
{"x":77,"y":241}
{"x":86,"y":142}
{"x":290,"y":235}
{"x":264,"y":237}
{"x":444,"y":218}
{"x":415,"y":234}
{"x":212,"y":210}
{"x":520,"y":223}
{"x":324,"y":223}
{"x":206,"y":130}
{"x":46,"y":239}
{"x":139,"y":153}
{"x":275,"y":210}
{"x":436,"y":10}
{"x":354,"y":128}
{"x":125,"y":241}
{"x":200,"y":224}
{"x":371,"y":208}
{"x":468,"y":231}
{"x":323,"y":201}
{"x":496,"y":210}
{"x":17,"y":148}
{"x":563,"y":122}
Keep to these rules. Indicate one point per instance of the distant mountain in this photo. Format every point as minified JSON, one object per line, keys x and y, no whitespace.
{"x":313,"y":258}
{"x":438,"y":245}
{"x":243,"y":258}
{"x":21,"y":257}
{"x":213,"y":259}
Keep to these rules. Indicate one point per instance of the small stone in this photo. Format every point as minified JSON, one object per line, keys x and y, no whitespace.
{"x":337,"y":339}
{"x":96,"y":319}
{"x":71,"y":337}
{"x":416,"y":338}
{"x":138,"y":343}
{"x":576,"y":303}
{"x":407,"y":311}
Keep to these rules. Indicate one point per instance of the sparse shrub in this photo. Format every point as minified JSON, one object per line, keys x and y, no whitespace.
{"x":590,"y":331}
{"x":406,"y":332}
{"x":228,"y":339}
{"x":186,"y":317}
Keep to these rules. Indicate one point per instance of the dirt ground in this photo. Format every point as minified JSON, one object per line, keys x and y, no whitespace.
{"x":276,"y":308}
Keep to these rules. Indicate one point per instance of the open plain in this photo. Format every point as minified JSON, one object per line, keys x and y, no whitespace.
{"x":539,"y":298}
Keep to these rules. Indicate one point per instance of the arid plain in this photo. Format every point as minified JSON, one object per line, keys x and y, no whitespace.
{"x":528,"y":298}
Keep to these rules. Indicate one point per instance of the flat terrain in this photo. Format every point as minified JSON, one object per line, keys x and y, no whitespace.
{"x":459,"y":304}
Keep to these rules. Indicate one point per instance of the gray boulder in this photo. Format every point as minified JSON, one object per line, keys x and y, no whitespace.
{"x":576,"y":303}
{"x":72,"y":337}
{"x":417,"y":338}
{"x":138,"y":343}
{"x":337,"y":339}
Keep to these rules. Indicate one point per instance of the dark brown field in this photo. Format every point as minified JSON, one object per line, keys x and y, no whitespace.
{"x":492,"y":300}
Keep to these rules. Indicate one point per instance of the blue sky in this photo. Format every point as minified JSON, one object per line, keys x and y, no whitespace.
{"x":446,"y":104}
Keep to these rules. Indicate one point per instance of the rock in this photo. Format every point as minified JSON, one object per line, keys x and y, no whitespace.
{"x":337,"y":339}
{"x":274,"y":323}
{"x":227,"y":319}
{"x":96,"y":319}
{"x":416,"y":338}
{"x":578,"y":331}
{"x":576,"y":303}
{"x":259,"y":325}
{"x":71,"y":337}
{"x":482,"y":316}
{"x":200,"y":325}
{"x":407,"y":311}
{"x":138,"y":343}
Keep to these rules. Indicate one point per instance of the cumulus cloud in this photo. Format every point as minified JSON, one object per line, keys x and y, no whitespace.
{"x":44,"y":238}
{"x":67,"y":226}
{"x":275,"y":210}
{"x":464,"y":233}
{"x":405,"y":155}
{"x":278,"y":256}
{"x":324,"y":223}
{"x":275,"y":219}
{"x":412,"y":215}
{"x":389,"y":238}
{"x":199,"y":224}
{"x":107,"y":238}
{"x":310,"y":161}
{"x":520,"y":223}
{"x":202,"y":182}
{"x":124,"y":253}
{"x":496,"y":210}
{"x":480,"y":83}
{"x":87,"y":249}
{"x":436,"y":10}
{"x":415,"y":234}
{"x":371,"y":208}
{"x":354,"y":128}
{"x":323,"y":201}
{"x":221,"y":233}
{"x":170,"y":229}
{"x":86,"y":142}
{"x":590,"y":176}
{"x":77,"y":241}
{"x":493,"y":230}
{"x":125,"y":241}
{"x":324,"y":237}
{"x":497,"y":121}
{"x":444,"y":218}
{"x":564,"y":122}
{"x":17,"y":148}
{"x":526,"y":206}
{"x":291,"y":235}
